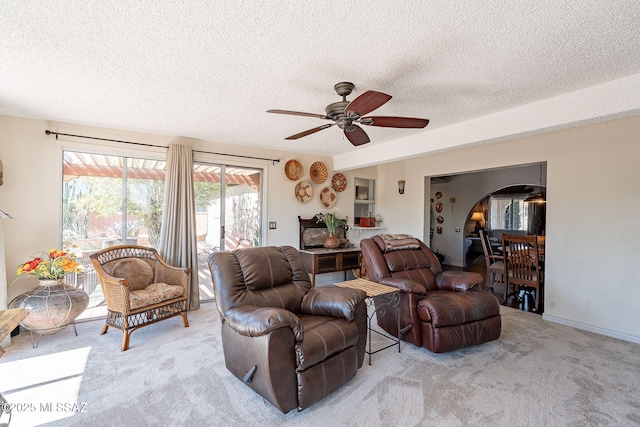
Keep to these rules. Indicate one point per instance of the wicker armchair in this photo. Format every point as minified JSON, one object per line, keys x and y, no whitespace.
{"x":140,"y":288}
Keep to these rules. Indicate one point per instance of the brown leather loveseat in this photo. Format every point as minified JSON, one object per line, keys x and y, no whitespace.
{"x":290,"y":342}
{"x":442,"y":311}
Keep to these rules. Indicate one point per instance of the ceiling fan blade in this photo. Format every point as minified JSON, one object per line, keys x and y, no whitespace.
{"x":366,"y":103}
{"x":394,"y":122}
{"x":357,"y":136}
{"x":298,"y":113}
{"x":309,"y":131}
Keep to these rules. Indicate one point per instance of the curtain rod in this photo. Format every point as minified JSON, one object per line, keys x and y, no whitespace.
{"x":48,"y":132}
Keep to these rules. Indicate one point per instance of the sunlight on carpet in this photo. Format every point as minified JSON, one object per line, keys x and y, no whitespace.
{"x":44,"y":388}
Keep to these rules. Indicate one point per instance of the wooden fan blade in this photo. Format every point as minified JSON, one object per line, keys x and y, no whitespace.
{"x":298,"y":113}
{"x":357,"y":136}
{"x":309,"y":132}
{"x":366,"y":103}
{"x":394,"y":122}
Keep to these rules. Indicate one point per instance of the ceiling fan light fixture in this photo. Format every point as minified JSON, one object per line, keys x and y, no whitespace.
{"x":536,"y":198}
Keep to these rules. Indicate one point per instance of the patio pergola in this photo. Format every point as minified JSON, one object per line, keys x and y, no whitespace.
{"x":86,"y":164}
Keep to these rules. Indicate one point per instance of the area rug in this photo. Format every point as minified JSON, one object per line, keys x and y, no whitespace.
{"x":537,"y":373}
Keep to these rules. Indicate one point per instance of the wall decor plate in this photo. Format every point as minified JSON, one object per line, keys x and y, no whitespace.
{"x":438,"y":195}
{"x":293,"y":169}
{"x":328,"y":197}
{"x":304,"y":191}
{"x":440,"y":219}
{"x":438,"y":207}
{"x":339,"y":182}
{"x":318,"y":172}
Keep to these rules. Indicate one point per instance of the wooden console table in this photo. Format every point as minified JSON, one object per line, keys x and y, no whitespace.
{"x":322,"y":260}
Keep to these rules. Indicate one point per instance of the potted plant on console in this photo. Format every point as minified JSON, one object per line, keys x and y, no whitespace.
{"x":332,"y":222}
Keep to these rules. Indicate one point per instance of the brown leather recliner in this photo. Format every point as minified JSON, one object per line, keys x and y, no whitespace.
{"x":442,"y":311}
{"x":290,"y":342}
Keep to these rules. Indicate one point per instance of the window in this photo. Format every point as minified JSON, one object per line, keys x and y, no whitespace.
{"x":508,"y":213}
{"x":108,"y":200}
{"x":228,"y":213}
{"x":228,"y":206}
{"x":112,"y":200}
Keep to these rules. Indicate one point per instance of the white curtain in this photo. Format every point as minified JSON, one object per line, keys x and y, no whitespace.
{"x":178,"y":243}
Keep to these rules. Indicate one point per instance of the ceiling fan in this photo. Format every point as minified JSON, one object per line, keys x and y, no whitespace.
{"x":346,"y":114}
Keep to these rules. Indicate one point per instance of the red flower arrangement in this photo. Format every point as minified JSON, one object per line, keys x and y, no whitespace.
{"x":50,"y":266}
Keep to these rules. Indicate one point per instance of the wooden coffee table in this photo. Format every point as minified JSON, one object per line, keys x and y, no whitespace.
{"x":388,"y":297}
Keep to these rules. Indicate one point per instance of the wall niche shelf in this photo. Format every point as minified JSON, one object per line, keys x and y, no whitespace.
{"x":356,"y":231}
{"x":364,"y":201}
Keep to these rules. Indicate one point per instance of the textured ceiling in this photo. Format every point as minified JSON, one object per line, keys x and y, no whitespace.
{"x":210,"y":70}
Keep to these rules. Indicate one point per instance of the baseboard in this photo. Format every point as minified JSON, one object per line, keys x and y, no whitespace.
{"x":590,"y":328}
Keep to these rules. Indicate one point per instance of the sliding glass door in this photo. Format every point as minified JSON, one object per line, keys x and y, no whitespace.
{"x":228,"y":206}
{"x":106,"y":201}
{"x":111,"y":200}
{"x":228,"y":213}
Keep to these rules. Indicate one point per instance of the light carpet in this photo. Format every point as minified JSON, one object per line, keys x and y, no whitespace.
{"x":538,"y":373}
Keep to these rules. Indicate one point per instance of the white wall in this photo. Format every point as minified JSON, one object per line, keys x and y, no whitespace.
{"x":284,"y":208}
{"x":593,"y":200}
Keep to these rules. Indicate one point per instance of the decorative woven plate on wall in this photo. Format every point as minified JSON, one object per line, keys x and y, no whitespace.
{"x":304,"y":191}
{"x":318,"y":172}
{"x":293,"y":169}
{"x":339,"y":182}
{"x":328,"y":197}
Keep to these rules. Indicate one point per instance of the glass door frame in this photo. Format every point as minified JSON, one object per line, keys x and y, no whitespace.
{"x":222,"y":213}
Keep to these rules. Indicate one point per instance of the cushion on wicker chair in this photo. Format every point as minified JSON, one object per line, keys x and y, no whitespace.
{"x":153,"y":294}
{"x":138,"y":273}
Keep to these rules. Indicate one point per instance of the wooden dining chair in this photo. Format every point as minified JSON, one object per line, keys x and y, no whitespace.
{"x":494,"y":262}
{"x":522,"y":269}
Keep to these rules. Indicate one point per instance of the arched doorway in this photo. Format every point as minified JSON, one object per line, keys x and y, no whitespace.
{"x":505,"y":210}
{"x":449,"y":223}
